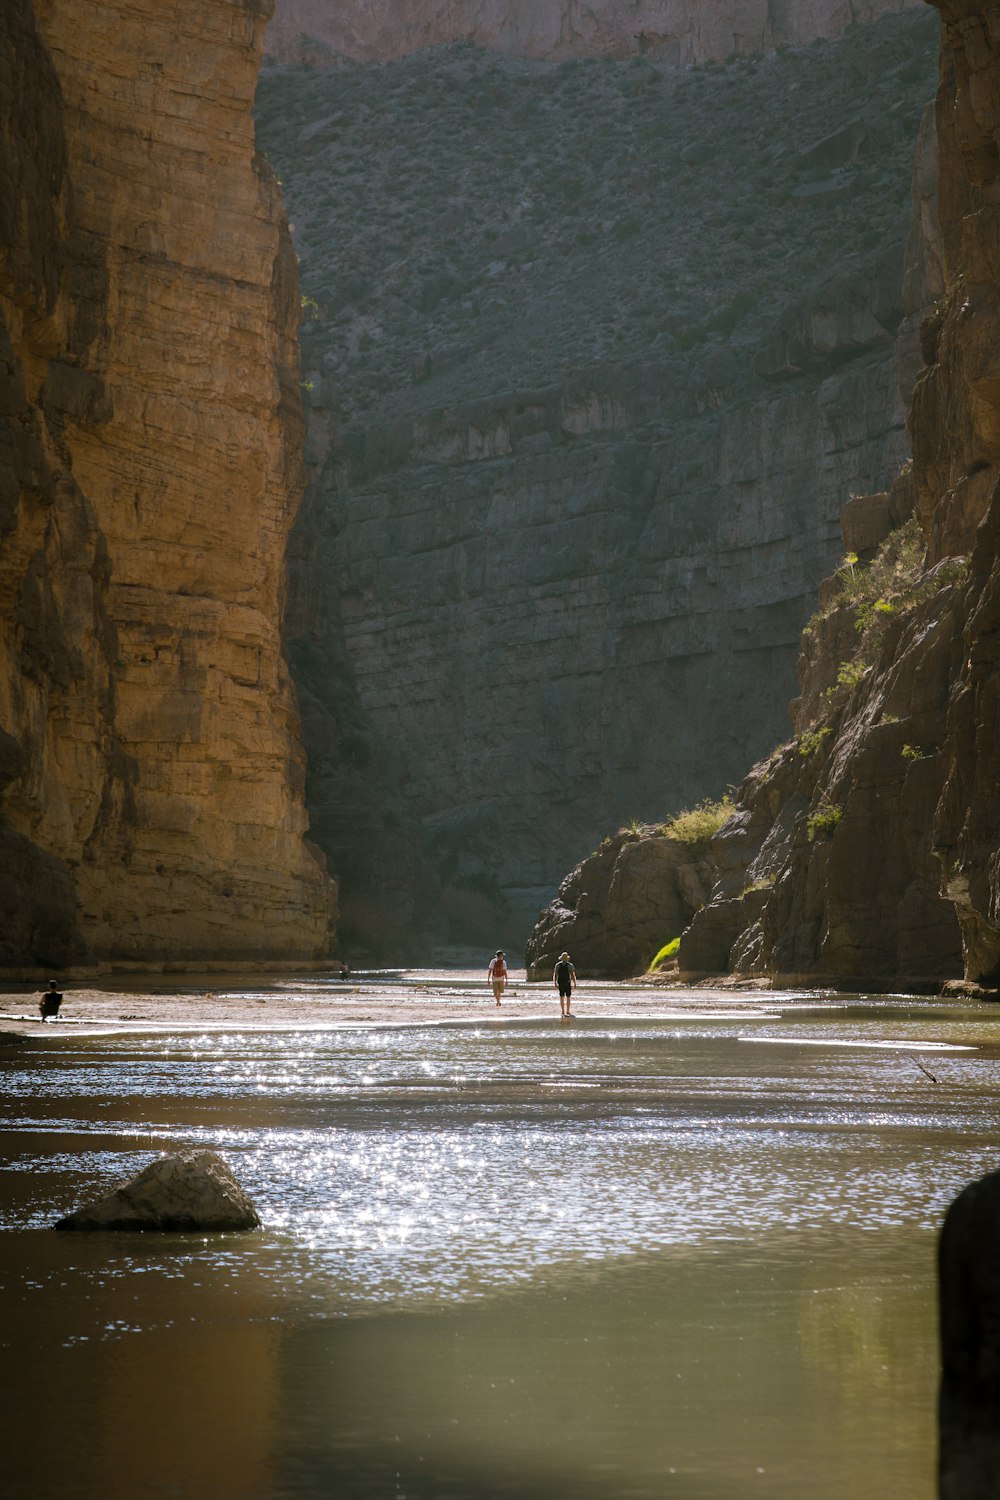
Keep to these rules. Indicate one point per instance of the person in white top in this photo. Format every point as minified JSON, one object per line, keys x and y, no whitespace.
{"x":496,"y":974}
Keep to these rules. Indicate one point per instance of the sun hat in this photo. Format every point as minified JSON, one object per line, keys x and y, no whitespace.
{"x":562,"y":956}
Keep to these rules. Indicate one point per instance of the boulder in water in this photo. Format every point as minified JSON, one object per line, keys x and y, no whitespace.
{"x":188,"y":1190}
{"x":969,"y":1412}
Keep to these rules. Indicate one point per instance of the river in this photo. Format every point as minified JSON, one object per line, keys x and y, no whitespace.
{"x":678,"y":1254}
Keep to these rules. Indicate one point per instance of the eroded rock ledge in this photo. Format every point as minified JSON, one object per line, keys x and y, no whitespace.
{"x":150,"y":764}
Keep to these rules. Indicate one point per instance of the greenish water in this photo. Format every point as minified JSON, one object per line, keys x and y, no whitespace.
{"x":685,"y":1256}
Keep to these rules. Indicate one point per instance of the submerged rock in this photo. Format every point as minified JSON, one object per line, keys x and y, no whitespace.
{"x":189,"y":1190}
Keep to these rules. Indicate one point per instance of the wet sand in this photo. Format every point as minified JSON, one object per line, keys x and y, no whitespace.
{"x":401,"y":998}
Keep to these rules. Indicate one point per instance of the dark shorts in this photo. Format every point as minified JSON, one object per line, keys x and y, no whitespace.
{"x":565,"y":991}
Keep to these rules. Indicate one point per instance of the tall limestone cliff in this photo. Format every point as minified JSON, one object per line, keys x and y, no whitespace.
{"x":865,"y":850}
{"x":150,"y":471}
{"x":675,"y":31}
{"x":595,"y":351}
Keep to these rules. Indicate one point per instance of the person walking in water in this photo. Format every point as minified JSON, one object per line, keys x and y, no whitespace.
{"x":564,"y":979}
{"x":496,"y":975}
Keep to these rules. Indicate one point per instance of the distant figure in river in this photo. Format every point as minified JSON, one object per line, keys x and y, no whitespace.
{"x":345,"y":972}
{"x":564,"y":979}
{"x":49,"y":1002}
{"x":496,"y":975}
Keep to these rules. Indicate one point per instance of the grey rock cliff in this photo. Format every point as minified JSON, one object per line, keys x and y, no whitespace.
{"x":598,"y":402}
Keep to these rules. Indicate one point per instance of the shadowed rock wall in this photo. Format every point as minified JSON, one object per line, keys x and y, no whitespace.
{"x":875,"y":834}
{"x":676,"y":31}
{"x":585,"y":402}
{"x":150,"y":763}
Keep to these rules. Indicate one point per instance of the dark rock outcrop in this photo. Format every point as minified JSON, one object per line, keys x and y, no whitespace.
{"x":181,"y":1193}
{"x":969,"y":1298}
{"x":616,"y":910}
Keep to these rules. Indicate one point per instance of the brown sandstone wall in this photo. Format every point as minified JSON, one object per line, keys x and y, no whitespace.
{"x":676,"y":31}
{"x":152,"y":767}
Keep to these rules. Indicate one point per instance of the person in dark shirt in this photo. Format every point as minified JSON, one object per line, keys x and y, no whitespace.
{"x":564,"y":979}
{"x":49,"y":1002}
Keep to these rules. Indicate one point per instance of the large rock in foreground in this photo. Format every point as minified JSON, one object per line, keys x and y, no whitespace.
{"x":969,"y":1269}
{"x":191,"y":1190}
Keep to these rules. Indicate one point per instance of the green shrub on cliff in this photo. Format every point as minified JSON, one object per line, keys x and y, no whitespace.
{"x":812,"y":740}
{"x":824,"y":820}
{"x":696,"y":825}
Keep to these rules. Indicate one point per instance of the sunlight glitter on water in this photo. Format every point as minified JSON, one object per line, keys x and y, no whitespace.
{"x":439,"y":1161}
{"x":465,"y":1219}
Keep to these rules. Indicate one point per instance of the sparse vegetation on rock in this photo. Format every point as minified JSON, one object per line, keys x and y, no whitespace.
{"x":699,"y":825}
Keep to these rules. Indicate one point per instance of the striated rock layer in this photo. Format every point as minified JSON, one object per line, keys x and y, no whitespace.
{"x":150,"y":764}
{"x":585,"y":403}
{"x":874,"y":834}
{"x":675,"y":31}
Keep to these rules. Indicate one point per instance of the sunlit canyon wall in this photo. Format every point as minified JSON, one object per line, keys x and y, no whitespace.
{"x":150,"y":470}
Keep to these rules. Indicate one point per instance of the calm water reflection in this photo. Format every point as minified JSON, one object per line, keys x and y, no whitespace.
{"x":687,"y":1257}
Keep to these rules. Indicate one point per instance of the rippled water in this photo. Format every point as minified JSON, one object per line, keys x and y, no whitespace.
{"x":687,"y":1256}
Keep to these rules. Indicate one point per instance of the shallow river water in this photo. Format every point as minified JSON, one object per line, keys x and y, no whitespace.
{"x":683,"y":1255}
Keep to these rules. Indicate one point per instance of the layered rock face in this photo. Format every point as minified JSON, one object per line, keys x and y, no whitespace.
{"x":585,"y":404}
{"x":676,"y":31}
{"x":150,"y":760}
{"x":874,"y":835}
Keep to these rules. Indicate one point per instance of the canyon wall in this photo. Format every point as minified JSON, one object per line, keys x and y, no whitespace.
{"x":863,"y":851}
{"x":150,"y":471}
{"x":876,"y":852}
{"x":675,"y":31}
{"x":594,"y":354}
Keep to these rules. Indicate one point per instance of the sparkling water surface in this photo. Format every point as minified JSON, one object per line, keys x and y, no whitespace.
{"x":674,"y":1254}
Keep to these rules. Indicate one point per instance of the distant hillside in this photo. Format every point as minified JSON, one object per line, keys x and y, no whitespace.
{"x":673,"y":31}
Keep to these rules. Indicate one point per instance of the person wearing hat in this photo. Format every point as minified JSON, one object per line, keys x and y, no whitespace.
{"x":496,"y":974}
{"x":564,"y":979}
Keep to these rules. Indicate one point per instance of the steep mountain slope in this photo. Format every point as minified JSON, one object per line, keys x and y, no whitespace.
{"x":595,"y":352}
{"x":149,"y":757}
